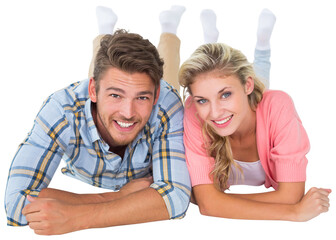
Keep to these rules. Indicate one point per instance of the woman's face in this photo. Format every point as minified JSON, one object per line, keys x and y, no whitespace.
{"x":222,"y":101}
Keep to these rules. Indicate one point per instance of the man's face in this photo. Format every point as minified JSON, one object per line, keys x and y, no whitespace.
{"x":124,"y":104}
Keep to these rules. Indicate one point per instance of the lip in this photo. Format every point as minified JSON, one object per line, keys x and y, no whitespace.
{"x":225,"y":124}
{"x":124,"y":129}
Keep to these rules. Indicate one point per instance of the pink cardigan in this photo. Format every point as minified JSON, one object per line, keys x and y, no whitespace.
{"x":282,"y":142}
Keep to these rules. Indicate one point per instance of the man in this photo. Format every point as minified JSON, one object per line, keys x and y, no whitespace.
{"x":122,"y":130}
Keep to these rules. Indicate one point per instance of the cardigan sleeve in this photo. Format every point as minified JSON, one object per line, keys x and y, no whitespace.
{"x":289,"y":142}
{"x":198,"y":162}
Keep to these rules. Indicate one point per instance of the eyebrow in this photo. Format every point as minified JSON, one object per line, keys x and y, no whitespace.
{"x":219,"y":92}
{"x":123,"y":92}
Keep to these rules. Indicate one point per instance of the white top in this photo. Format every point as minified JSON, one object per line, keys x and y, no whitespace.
{"x":253,"y":174}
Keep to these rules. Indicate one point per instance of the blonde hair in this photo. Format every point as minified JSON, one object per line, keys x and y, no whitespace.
{"x":219,"y":57}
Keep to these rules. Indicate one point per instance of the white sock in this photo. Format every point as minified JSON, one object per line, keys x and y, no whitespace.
{"x":106,"y":19}
{"x":170,"y":19}
{"x":210,"y":32}
{"x":265,"y":27}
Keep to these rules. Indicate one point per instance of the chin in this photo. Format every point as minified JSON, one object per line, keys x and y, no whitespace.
{"x":124,"y":139}
{"x":223,"y":132}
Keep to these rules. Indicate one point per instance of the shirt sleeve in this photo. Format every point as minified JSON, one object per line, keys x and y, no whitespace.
{"x":35,"y":161}
{"x":170,"y":173}
{"x":199,"y":163}
{"x":289,"y":141}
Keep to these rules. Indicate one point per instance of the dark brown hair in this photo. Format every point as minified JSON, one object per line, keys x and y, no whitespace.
{"x":128,"y":52}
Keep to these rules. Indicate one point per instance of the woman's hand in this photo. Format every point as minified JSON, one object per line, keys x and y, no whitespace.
{"x":314,"y":202}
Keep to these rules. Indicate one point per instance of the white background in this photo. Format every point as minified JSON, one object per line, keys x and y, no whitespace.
{"x":46,"y":45}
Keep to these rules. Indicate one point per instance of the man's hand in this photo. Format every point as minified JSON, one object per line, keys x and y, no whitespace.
{"x":48,"y":216}
{"x":136,"y":185}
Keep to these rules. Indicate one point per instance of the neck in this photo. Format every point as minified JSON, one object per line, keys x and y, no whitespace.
{"x":246,"y":129}
{"x":119,"y":150}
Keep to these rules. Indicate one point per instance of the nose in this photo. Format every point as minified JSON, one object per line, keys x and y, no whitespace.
{"x":214,"y":111}
{"x":127,"y":109}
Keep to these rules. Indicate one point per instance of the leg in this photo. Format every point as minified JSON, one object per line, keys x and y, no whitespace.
{"x":169,"y":50}
{"x":208,"y":20}
{"x":169,"y":45}
{"x":106,"y":19}
{"x":262,"y":52}
{"x":95,"y":48}
{"x":262,"y":65}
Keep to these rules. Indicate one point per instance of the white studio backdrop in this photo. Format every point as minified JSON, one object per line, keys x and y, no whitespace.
{"x":46,"y":45}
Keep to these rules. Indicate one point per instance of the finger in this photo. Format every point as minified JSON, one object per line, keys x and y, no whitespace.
{"x":325,"y":191}
{"x":324,"y":198}
{"x":30,"y":208}
{"x":33,"y":217}
{"x":324,"y":209}
{"x":41,"y":232}
{"x":325,"y":204}
{"x":31,"y":198}
{"x":36,"y":225}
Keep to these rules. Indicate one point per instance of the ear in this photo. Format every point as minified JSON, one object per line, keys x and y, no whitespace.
{"x":92,"y":90}
{"x":157,"y":95}
{"x":249,"y":85}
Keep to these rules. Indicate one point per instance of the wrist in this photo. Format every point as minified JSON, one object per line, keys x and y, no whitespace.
{"x":294,"y":213}
{"x":83,"y":216}
{"x":288,"y":212}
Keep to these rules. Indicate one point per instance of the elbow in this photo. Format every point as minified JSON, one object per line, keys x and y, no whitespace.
{"x":13,"y":217}
{"x":176,"y":200}
{"x":205,"y":210}
{"x":207,"y":207}
{"x":182,"y":207}
{"x":181,"y":204}
{"x":14,"y":203}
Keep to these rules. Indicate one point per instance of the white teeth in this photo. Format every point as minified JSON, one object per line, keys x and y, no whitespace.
{"x":124,"y":125}
{"x":224,"y":120}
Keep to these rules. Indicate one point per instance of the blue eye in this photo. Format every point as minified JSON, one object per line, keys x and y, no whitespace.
{"x":226,"y":95}
{"x":115,"y":95}
{"x":201,"y":101}
{"x":143,"y":98}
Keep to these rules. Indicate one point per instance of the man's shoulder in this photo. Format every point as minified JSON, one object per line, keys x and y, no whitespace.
{"x":77,"y":89}
{"x":169,"y":107}
{"x":60,"y":104}
{"x":169,"y":96}
{"x":76,"y":94}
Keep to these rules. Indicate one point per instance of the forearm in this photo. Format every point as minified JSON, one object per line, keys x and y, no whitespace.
{"x":73,"y":198}
{"x":139,"y":207}
{"x":288,"y":193}
{"x":268,"y":197}
{"x":239,"y":208}
{"x":212,"y":202}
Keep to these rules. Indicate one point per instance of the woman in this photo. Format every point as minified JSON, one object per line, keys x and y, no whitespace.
{"x":237,"y":133}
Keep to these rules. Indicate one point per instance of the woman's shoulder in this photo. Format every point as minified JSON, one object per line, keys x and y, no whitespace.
{"x":276,"y":110}
{"x":276,"y":96}
{"x":274,"y":101}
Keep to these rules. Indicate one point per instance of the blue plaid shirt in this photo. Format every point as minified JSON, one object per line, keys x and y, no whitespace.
{"x":64,"y":129}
